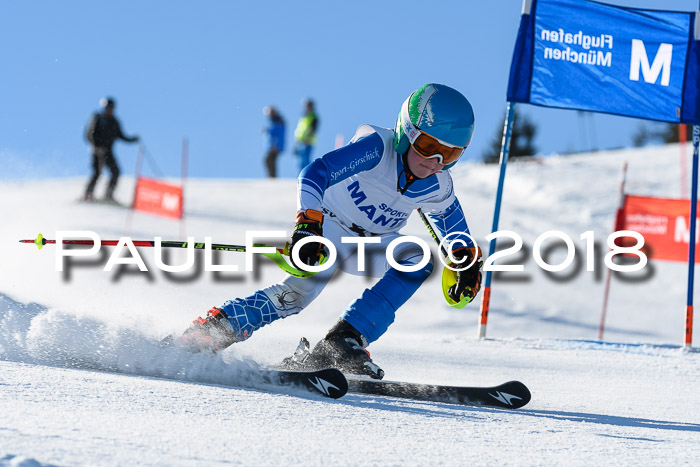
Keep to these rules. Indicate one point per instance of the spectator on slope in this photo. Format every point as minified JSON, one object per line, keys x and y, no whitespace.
{"x":274,"y":139}
{"x":102,"y":131}
{"x":305,"y":134}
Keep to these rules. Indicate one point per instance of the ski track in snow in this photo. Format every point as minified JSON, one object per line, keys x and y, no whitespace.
{"x":84,"y":381}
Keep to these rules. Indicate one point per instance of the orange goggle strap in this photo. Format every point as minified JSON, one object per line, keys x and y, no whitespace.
{"x":310,"y":215}
{"x":426,"y":145}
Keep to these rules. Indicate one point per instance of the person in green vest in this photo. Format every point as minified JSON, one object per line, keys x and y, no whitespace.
{"x":305,"y":134}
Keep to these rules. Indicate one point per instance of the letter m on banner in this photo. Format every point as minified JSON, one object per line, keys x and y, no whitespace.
{"x":664,"y":222}
{"x":577,"y":54}
{"x":156,"y":197}
{"x":660,"y":65}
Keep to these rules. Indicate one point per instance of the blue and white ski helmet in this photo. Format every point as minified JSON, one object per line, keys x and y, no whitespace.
{"x":439,"y":111}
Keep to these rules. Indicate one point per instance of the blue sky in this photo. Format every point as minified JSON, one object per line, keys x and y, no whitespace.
{"x":204,"y":70}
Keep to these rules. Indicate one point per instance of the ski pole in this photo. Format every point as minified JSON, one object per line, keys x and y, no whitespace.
{"x":449,"y":278}
{"x":277,"y":257}
{"x":433,"y":233}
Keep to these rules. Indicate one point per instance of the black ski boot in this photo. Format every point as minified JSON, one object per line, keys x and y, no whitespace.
{"x":212,"y":333}
{"x":342,"y":348}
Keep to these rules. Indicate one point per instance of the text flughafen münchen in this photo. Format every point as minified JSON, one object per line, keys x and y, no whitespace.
{"x":597,"y":49}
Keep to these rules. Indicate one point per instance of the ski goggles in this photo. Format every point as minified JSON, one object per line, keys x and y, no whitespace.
{"x":428,"y":146}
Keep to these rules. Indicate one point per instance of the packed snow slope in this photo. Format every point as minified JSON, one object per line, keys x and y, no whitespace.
{"x":84,"y":382}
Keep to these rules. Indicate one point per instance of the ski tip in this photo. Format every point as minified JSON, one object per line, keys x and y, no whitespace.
{"x":339,"y":382}
{"x":329,"y":382}
{"x":520,"y":394}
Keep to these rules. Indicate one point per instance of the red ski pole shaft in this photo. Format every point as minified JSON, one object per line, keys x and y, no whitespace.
{"x":276,"y":256}
{"x":41,"y":241}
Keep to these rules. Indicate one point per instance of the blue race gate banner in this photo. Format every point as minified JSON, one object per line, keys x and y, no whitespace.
{"x":578,"y":54}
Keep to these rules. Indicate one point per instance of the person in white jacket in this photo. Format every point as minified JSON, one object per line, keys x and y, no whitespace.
{"x":366,"y":189}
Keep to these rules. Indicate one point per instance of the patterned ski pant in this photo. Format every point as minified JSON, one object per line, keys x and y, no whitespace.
{"x":371,"y":313}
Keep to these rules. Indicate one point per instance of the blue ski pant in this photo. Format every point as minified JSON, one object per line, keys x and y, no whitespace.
{"x":371,"y":314}
{"x":304,"y":155}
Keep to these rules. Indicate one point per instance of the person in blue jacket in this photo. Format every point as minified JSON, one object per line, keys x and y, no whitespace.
{"x":366,"y":189}
{"x":274,"y":139}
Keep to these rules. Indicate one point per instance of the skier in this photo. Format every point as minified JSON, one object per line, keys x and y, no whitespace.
{"x":366,"y":189}
{"x":102,"y":131}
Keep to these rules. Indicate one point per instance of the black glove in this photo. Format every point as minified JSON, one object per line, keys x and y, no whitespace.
{"x":309,"y":224}
{"x":468,"y":280}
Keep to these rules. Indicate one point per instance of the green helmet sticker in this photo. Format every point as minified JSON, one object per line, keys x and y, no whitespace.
{"x":419,"y":104}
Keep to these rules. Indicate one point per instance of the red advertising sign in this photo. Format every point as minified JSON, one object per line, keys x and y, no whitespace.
{"x":663,"y":222}
{"x":156,"y":197}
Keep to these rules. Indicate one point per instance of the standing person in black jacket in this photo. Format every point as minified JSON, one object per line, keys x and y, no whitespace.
{"x":102,"y":131}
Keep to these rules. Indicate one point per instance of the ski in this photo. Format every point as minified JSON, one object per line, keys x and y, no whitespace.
{"x":328,"y":382}
{"x":103,"y":202}
{"x":510,"y":395}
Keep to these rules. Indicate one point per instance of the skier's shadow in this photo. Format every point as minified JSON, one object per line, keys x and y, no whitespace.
{"x":442,"y":410}
{"x":613,"y":420}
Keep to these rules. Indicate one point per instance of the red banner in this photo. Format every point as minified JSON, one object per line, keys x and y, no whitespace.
{"x":663,"y":222}
{"x":156,"y":197}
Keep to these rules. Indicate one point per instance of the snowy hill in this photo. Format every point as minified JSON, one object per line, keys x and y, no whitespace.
{"x":83,"y":381}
